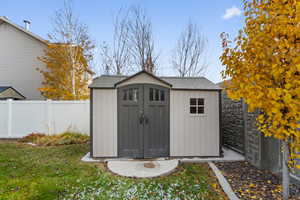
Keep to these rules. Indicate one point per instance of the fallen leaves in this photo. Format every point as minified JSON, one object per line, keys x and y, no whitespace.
{"x":250,"y":183}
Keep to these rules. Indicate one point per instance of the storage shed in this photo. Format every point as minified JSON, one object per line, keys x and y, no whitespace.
{"x":145,"y":116}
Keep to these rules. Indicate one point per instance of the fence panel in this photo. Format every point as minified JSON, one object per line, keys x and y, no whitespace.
{"x":77,"y":116}
{"x":3,"y":119}
{"x":19,"y":118}
{"x":28,"y":117}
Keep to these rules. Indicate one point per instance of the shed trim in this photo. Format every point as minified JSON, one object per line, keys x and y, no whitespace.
{"x":102,"y":88}
{"x":196,"y":89}
{"x":91,"y":123}
{"x":143,"y":71}
{"x":220,"y":123}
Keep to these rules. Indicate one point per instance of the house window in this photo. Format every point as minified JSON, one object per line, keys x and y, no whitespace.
{"x":196,"y":106}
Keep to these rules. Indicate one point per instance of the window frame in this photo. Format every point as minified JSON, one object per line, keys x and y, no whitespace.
{"x":156,"y":95}
{"x":197,"y":106}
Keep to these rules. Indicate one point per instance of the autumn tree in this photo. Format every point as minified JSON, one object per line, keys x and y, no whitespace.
{"x":188,"y":57}
{"x":75,"y":41}
{"x":58,"y":81}
{"x":264,"y":67}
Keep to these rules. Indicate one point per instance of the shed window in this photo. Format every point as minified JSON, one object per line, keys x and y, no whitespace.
{"x":196,"y":106}
{"x":124,"y":95}
{"x":151,"y":94}
{"x":156,"y":94}
{"x":162,"y":95}
{"x":135,"y":94}
{"x":131,"y":95}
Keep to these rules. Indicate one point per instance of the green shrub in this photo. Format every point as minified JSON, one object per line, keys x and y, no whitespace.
{"x":60,"y":139}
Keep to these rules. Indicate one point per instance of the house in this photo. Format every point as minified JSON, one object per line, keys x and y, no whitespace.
{"x":19,"y":49}
{"x":19,"y":52}
{"x":146,"y":116}
{"x":10,"y":93}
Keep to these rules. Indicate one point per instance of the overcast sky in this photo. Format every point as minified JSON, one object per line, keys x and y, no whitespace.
{"x":169,"y":17}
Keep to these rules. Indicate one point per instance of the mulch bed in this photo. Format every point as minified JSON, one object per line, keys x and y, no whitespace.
{"x":249,"y":182}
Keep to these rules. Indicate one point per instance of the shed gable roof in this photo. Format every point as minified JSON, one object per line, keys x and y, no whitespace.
{"x":180,"y":83}
{"x":139,"y":74}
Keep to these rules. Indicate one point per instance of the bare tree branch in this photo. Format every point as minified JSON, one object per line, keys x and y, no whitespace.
{"x":133,"y":44}
{"x":116,"y":60}
{"x":141,"y":42}
{"x":188,"y":56}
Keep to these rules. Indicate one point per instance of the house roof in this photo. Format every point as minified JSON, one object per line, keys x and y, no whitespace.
{"x":15,"y":93}
{"x":6,"y":20}
{"x":2,"y":88}
{"x":180,"y":83}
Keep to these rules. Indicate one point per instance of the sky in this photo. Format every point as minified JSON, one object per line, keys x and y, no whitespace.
{"x":169,"y":17}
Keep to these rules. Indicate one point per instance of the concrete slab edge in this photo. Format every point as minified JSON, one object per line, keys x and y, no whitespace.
{"x":223,"y":182}
{"x":204,"y":160}
{"x":166,"y":173}
{"x":87,"y":158}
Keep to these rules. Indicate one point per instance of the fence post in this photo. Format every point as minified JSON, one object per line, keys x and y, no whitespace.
{"x":49,"y":115}
{"x":9,"y":118}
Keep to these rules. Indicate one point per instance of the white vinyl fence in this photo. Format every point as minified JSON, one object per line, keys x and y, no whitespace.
{"x":19,"y":118}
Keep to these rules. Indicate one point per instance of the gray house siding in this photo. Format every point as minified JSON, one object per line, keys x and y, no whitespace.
{"x":18,"y":61}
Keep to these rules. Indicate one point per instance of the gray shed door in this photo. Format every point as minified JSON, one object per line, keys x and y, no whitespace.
{"x":143,"y":121}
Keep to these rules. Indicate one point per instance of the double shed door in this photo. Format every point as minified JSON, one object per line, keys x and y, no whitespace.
{"x":143,"y":121}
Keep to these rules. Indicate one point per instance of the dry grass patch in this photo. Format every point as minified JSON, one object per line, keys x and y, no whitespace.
{"x":55,"y":140}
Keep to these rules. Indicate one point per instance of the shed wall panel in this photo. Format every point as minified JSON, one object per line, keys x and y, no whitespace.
{"x":105,"y":123}
{"x":194,"y":135}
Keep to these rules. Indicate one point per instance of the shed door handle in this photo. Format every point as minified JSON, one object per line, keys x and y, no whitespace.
{"x":142,"y":118}
{"x":146,"y":120}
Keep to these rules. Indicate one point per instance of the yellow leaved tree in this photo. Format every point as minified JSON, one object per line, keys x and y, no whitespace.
{"x":263,"y":64}
{"x":67,"y":73}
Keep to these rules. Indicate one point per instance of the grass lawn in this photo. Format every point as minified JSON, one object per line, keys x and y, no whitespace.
{"x":28,"y":172}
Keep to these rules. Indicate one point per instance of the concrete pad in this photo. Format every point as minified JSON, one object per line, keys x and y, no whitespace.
{"x":87,"y":158}
{"x":228,"y":156}
{"x":142,"y":169}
